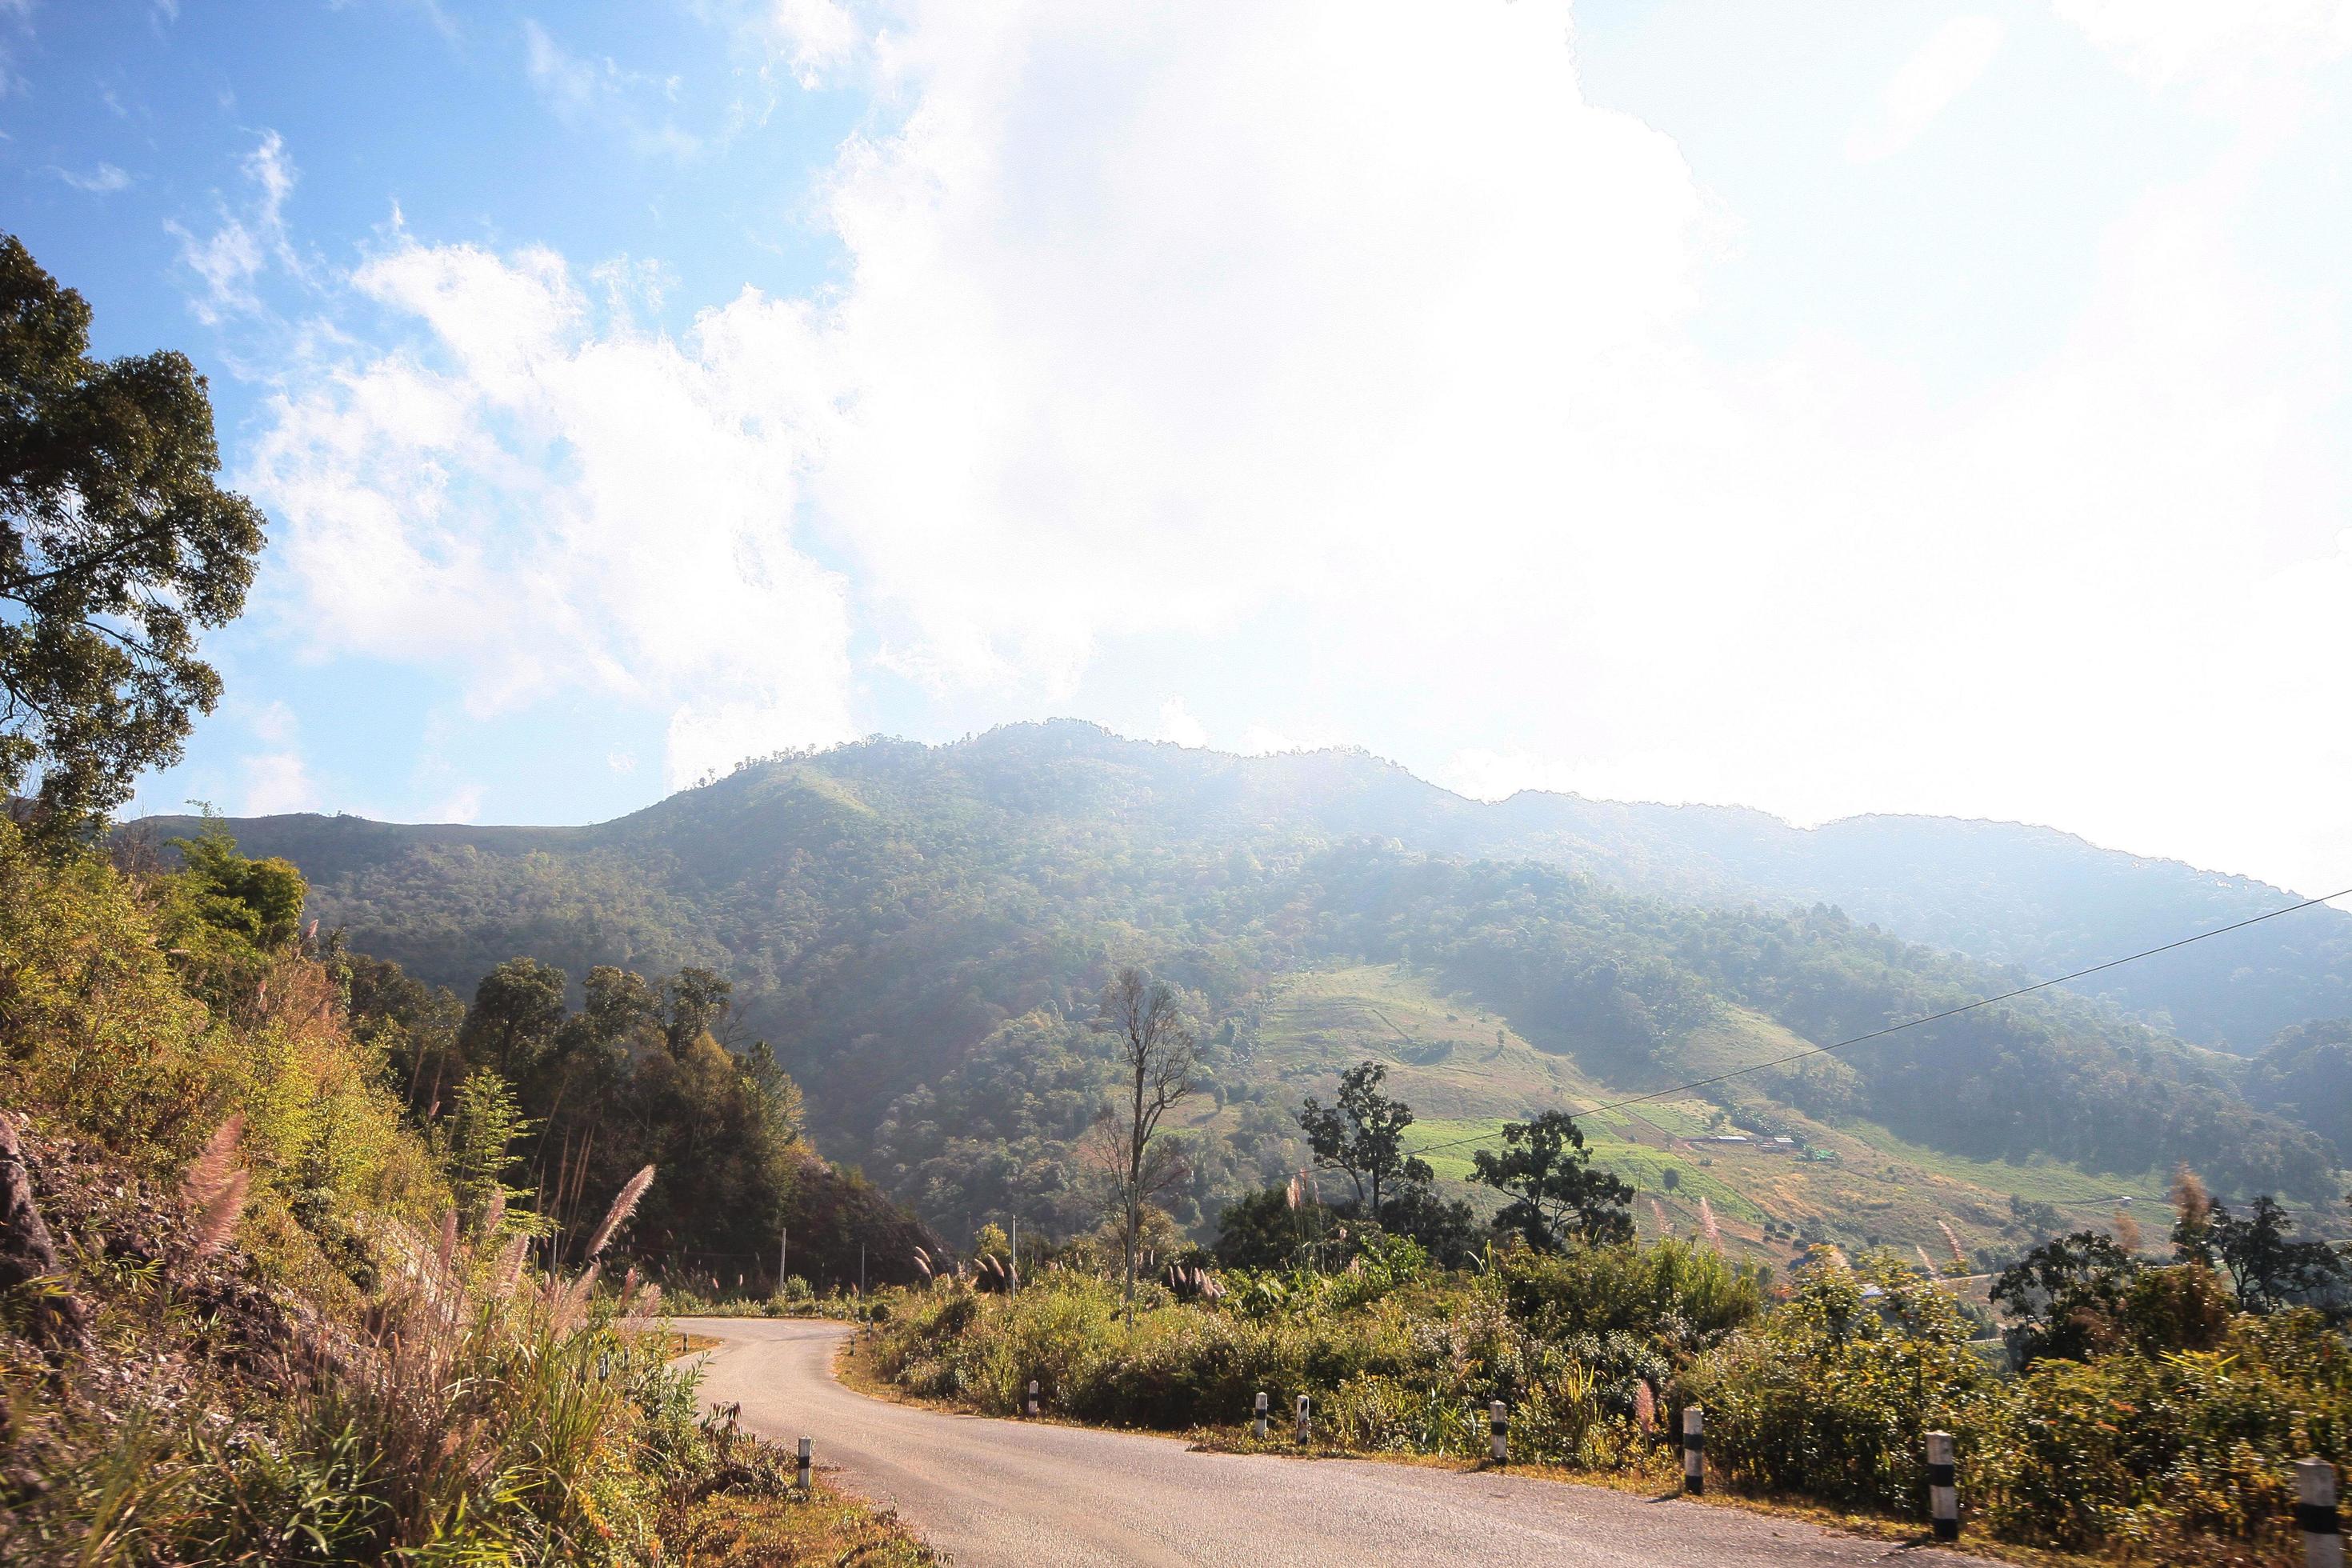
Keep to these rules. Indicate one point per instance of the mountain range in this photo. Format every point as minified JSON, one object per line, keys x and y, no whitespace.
{"x":919,"y":930}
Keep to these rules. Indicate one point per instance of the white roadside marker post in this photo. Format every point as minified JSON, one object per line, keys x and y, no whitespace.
{"x":1033,"y":1397}
{"x":2316,"y":1515}
{"x":805,"y":1466}
{"x":1694,"y":1452}
{"x":1498,"y":1426}
{"x":1302,"y":1419}
{"x":1261,"y":1414}
{"x":1943,"y":1487}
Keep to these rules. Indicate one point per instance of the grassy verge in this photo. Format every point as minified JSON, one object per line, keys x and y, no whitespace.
{"x":860,"y":1366}
{"x":830,"y":1527}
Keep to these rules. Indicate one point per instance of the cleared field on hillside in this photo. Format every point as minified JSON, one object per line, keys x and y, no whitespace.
{"x":1465,"y":1072}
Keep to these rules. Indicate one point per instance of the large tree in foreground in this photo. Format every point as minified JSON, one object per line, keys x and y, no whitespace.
{"x":116,"y":549}
{"x":1156,"y":1058}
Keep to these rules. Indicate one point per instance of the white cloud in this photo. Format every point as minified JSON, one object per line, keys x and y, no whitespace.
{"x":815,"y":38}
{"x":581,"y":91}
{"x":1359,"y":320}
{"x":541,"y":502}
{"x":461,"y":804}
{"x":275,"y":783}
{"x":101,"y":181}
{"x":1177,"y":724}
{"x":621,"y":760}
{"x":569,"y":84}
{"x":247,"y":238}
{"x":273,"y":724}
{"x":276,"y":779}
{"x":1945,"y":66}
{"x":2230,"y":47}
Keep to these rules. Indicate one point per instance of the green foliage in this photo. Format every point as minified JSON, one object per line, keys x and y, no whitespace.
{"x":1832,"y":1395}
{"x":135,"y":1073}
{"x":2270,"y":1271}
{"x":2173,"y":1456}
{"x":1684,"y":1292}
{"x":1555,"y":1193}
{"x":1362,"y":1135}
{"x":116,"y":549}
{"x":477,"y":1142}
{"x":2065,"y":1297}
{"x":254,"y":905}
{"x":2306,"y":1072}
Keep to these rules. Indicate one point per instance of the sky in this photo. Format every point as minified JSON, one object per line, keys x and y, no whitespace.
{"x":1821,"y":408}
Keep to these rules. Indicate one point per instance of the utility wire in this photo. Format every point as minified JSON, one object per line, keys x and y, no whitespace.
{"x":1927,"y":1018}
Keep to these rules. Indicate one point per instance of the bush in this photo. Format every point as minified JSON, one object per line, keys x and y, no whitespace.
{"x":2153,"y":1452}
{"x":1832,"y":1395}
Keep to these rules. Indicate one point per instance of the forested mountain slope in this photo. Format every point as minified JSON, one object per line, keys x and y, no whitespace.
{"x":2045,"y":901}
{"x":904,"y":921}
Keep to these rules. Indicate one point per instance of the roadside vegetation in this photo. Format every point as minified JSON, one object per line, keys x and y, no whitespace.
{"x":258,"y":1304}
{"x":2123,"y":1400}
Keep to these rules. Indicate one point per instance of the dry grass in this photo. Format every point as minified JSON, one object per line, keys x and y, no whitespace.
{"x":831,"y":1527}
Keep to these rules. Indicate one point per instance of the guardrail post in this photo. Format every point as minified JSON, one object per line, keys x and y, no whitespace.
{"x":1303,"y":1408}
{"x":805,"y":1465}
{"x":1943,"y":1487}
{"x":1694,"y":1451}
{"x":1033,"y":1397}
{"x":1261,"y":1414}
{"x":2316,"y":1515}
{"x":1498,"y":1426}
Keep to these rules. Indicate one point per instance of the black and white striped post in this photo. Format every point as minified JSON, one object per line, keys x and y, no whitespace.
{"x":1694,"y":1452}
{"x":1261,"y":1414}
{"x":1943,"y":1487}
{"x":1499,"y":1427}
{"x":805,"y":1465}
{"x":2316,"y":1515}
{"x":1033,"y":1397}
{"x":1303,"y":1408}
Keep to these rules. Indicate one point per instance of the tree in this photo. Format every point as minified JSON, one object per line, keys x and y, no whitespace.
{"x":409,"y":1022}
{"x":1362,"y":1135}
{"x":116,"y":549}
{"x":2270,"y":1272}
{"x":1554,"y":1193}
{"x":699,"y":1000}
{"x":1156,"y":1057}
{"x":517,"y":1007}
{"x":1447,"y":1231}
{"x":2065,"y":1296}
{"x":228,"y":904}
{"x":479,"y":1141}
{"x":1264,"y":1230}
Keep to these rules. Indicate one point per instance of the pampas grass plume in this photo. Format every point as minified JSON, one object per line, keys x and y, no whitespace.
{"x":623,"y":1207}
{"x":510,"y":1265}
{"x":216,"y":1185}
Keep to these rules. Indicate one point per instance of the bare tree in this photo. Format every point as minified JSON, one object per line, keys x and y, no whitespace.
{"x":1158,"y":1057}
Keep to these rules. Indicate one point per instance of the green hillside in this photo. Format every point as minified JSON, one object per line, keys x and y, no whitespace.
{"x":919,"y":932}
{"x":1466,"y":1072}
{"x":642,"y":886}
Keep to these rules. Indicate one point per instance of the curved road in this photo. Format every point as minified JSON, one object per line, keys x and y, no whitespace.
{"x":991,"y":1492}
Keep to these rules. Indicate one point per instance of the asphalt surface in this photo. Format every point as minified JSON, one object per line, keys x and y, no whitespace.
{"x":988,"y":1492}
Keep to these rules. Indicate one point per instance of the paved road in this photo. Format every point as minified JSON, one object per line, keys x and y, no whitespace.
{"x":1004,"y":1492}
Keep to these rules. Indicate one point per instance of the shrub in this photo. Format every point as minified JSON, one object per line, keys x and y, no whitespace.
{"x":1832,"y":1395}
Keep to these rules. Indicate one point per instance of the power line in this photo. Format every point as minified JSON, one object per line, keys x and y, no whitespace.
{"x":1928,"y":1018}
